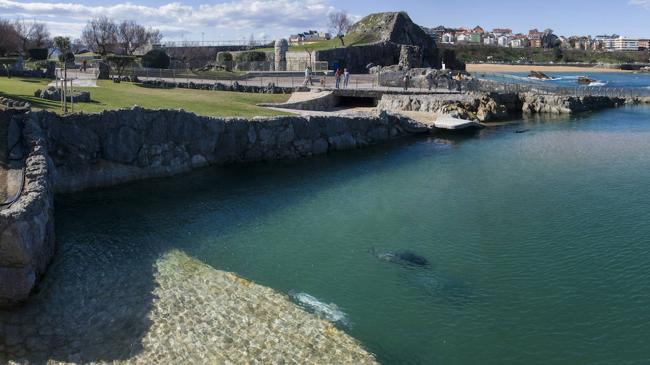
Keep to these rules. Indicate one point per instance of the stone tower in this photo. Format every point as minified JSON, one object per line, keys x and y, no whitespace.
{"x":281,"y":48}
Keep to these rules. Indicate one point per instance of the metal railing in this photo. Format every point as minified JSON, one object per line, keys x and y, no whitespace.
{"x":325,"y":79}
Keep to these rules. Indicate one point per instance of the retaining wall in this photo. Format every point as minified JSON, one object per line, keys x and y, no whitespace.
{"x":27,"y":226}
{"x":117,"y":146}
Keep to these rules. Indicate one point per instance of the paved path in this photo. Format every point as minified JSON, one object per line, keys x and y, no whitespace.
{"x":81,"y":79}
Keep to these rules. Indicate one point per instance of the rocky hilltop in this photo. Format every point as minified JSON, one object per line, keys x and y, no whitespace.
{"x":391,"y":27}
{"x":390,"y":39}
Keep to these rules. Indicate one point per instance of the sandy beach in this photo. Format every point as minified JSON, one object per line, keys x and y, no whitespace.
{"x":475,"y":67}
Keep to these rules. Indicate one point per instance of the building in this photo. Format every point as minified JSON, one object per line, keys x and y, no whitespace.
{"x":535,"y":38}
{"x":476,"y":38}
{"x":503,"y":41}
{"x":644,"y":44}
{"x":309,"y":36}
{"x":519,"y":42}
{"x":462,"y":38}
{"x":626,"y":44}
{"x":490,"y":40}
{"x":448,"y":38}
{"x":502,"y":31}
{"x":478,"y":29}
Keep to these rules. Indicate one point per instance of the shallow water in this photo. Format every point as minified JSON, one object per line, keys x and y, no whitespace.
{"x":537,"y":241}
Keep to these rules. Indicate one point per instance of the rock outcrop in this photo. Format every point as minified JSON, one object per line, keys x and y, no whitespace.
{"x":390,"y":39}
{"x":27,"y":226}
{"x":560,"y":104}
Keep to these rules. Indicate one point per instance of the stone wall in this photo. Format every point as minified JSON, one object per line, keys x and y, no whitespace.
{"x":356,"y":58}
{"x":117,"y":146}
{"x":27,"y":226}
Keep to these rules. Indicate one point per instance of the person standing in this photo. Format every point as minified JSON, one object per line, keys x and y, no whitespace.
{"x":337,"y":75}
{"x":429,"y":78}
{"x":308,"y":77}
{"x":407,"y":80}
{"x":346,"y":77}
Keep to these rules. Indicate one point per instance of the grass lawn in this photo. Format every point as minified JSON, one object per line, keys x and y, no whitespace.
{"x":109,"y":95}
{"x":350,"y":40}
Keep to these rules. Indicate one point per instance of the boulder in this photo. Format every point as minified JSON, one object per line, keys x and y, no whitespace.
{"x":104,"y":71}
{"x":538,"y":75}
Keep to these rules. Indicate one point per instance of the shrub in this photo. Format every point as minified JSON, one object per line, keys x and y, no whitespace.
{"x":224,"y":57}
{"x":66,"y":57}
{"x":251,"y":56}
{"x":38,"y":54}
{"x":156,"y":58}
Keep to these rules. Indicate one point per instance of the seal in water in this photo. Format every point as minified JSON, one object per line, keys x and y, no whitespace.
{"x":402,"y":257}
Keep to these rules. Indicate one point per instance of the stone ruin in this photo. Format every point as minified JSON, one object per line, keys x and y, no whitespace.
{"x":281,"y":48}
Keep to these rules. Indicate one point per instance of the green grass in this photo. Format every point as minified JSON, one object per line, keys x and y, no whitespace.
{"x":350,"y":40}
{"x":109,"y":95}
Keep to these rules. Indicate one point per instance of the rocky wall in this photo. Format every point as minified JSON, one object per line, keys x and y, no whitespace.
{"x":27,"y":226}
{"x":117,"y":146}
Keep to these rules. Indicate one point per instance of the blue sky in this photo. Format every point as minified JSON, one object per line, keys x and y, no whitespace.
{"x":237,"y":19}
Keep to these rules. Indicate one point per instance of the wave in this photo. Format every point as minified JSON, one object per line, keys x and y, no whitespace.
{"x":598,"y":83}
{"x":331,"y":311}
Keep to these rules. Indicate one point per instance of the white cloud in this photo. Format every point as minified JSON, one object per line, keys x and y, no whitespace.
{"x":643,"y":3}
{"x":234,"y":17}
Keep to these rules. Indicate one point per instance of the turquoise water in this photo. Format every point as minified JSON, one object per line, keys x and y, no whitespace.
{"x":570,"y":79}
{"x":538,"y":241}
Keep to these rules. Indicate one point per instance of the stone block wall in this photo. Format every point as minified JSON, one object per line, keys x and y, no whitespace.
{"x":117,"y":146}
{"x":27,"y":226}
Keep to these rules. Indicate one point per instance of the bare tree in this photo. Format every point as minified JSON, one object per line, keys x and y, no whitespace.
{"x":10,"y":39}
{"x":100,"y":35}
{"x":39,"y":35}
{"x":22,"y":29}
{"x":131,"y":36}
{"x":340,"y":23}
{"x":155,"y":37}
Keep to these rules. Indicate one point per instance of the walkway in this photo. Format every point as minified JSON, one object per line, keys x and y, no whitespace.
{"x":81,"y":79}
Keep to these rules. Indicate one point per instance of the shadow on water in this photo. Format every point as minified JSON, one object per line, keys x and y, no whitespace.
{"x":95,"y":300}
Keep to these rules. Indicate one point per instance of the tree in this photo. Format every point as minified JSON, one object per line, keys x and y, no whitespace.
{"x":156,"y":58}
{"x":100,"y":35}
{"x":340,"y":23}
{"x":39,"y":35}
{"x":9,"y":39}
{"x":62,"y":44}
{"x":119,"y":63}
{"x":132,"y":36}
{"x":32,"y":35}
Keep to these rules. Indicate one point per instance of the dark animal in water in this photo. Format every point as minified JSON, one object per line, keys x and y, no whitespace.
{"x":522,"y":130}
{"x":402,"y":257}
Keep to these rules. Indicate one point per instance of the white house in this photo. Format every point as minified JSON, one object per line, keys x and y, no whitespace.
{"x":503,"y":41}
{"x":490,"y":40}
{"x":462,"y":38}
{"x":448,"y":38}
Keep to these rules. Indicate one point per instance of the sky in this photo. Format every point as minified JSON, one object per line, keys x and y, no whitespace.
{"x":232,"y":20}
